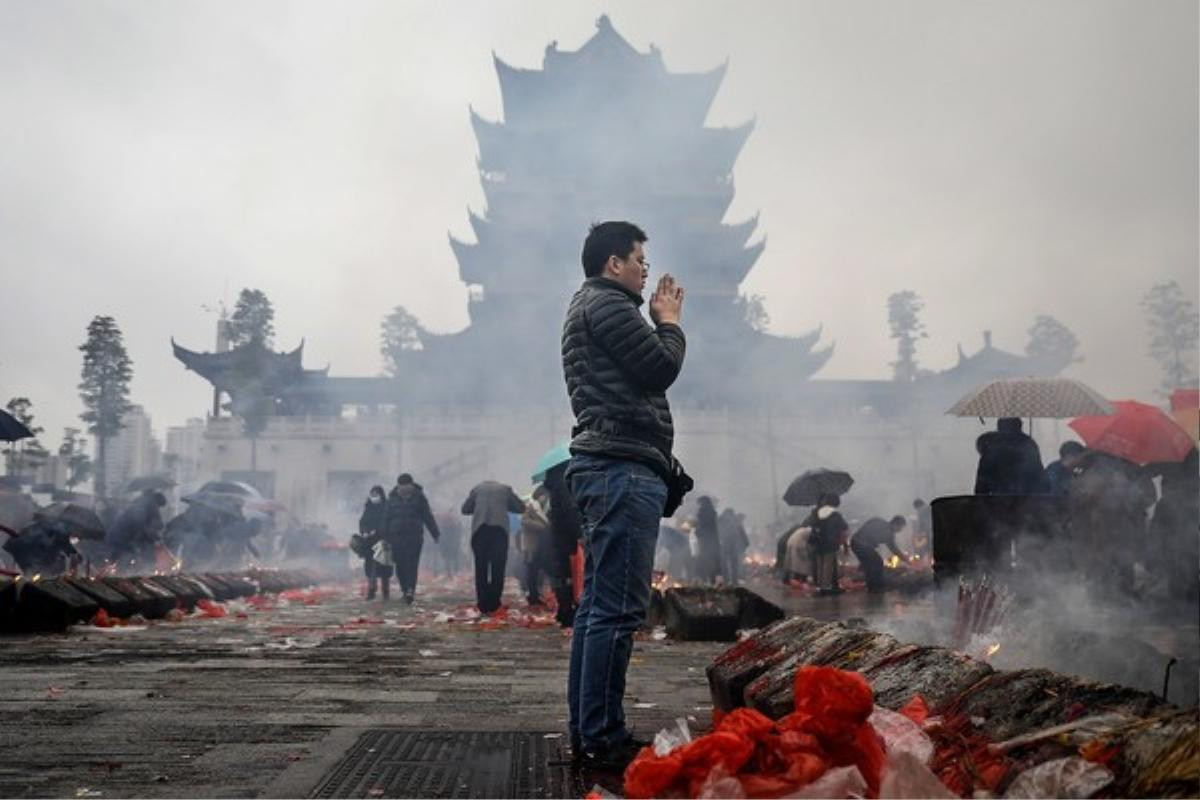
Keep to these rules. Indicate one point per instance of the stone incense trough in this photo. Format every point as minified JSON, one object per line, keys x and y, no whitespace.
{"x":52,"y":604}
{"x":1151,"y":746}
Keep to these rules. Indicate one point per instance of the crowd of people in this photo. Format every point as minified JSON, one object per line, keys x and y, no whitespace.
{"x":532,"y":538}
{"x":1100,"y":516}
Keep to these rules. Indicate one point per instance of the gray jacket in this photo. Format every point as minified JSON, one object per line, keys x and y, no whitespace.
{"x":489,"y":503}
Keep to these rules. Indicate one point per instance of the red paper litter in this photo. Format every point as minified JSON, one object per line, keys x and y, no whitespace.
{"x":207,"y":608}
{"x":828,"y":728}
{"x":916,"y":709}
{"x":963,"y":759}
{"x":101,"y":619}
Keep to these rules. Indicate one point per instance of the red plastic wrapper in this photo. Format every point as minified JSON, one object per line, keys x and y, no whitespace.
{"x":772,"y":758}
{"x":916,"y":709}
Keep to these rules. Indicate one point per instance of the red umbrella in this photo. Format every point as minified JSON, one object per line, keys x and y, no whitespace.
{"x":1135,"y":431}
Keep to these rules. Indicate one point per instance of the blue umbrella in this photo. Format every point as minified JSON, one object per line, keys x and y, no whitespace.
{"x":559,"y":454}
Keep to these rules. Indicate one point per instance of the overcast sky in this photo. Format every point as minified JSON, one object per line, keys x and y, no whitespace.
{"x":1001,"y":159}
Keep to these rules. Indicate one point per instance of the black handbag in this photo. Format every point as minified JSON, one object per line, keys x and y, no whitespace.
{"x":679,"y":483}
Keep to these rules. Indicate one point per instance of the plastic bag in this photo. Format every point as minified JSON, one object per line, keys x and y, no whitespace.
{"x":720,"y":785}
{"x":905,"y":776}
{"x":669,"y":739}
{"x":901,"y":735}
{"x":1062,"y":777}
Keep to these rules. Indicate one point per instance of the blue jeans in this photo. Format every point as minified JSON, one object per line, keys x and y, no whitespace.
{"x":621,"y":503}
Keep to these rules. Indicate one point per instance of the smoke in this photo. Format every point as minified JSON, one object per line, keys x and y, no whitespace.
{"x":1065,"y":617}
{"x":904,"y":151}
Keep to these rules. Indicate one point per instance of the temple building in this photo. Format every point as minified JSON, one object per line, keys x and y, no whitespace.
{"x":548,"y":171}
{"x":487,"y":401}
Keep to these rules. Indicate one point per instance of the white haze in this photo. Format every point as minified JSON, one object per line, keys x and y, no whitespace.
{"x":1001,"y":159}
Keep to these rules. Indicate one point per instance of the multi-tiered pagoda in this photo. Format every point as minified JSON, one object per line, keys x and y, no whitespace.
{"x":604,"y":132}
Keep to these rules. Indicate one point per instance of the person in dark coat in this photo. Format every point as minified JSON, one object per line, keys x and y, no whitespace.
{"x":708,"y":541}
{"x":371,"y":524}
{"x":1175,"y":526}
{"x":408,"y":517}
{"x":828,"y":531}
{"x":734,"y":544}
{"x":623,"y":474}
{"x":1057,"y":478}
{"x":865,"y":544}
{"x":535,"y":544}
{"x":1009,"y":461}
{"x":1109,"y":498}
{"x":489,"y":505}
{"x":42,"y":547}
{"x":565,"y":530}
{"x":138,"y":530}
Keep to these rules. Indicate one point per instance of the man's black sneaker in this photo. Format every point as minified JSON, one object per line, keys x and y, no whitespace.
{"x":612,"y":759}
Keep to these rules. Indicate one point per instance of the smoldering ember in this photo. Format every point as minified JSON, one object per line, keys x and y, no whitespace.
{"x":605,"y":496}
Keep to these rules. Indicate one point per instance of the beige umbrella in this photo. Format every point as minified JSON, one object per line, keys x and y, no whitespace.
{"x":1054,"y":398}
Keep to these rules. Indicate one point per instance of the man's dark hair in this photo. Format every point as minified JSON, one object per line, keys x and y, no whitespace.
{"x":899,"y":522}
{"x":1071,"y":448}
{"x":404,"y":479}
{"x":606,"y":239}
{"x":1008,"y":425}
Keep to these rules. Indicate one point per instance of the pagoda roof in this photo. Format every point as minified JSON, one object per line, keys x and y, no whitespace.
{"x":220,"y":367}
{"x":514,"y":151}
{"x":989,"y":363}
{"x":609,"y":53}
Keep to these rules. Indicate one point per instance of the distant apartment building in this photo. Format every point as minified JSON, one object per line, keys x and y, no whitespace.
{"x":184,"y":453}
{"x":133,"y":451}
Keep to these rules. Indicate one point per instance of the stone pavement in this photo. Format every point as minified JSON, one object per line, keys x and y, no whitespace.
{"x":265,"y":702}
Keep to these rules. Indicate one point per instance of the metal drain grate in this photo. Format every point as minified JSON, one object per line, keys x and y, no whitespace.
{"x":424,"y":763}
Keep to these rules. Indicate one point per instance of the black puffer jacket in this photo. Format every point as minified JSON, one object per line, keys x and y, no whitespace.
{"x":618,"y":369}
{"x":408,"y":514}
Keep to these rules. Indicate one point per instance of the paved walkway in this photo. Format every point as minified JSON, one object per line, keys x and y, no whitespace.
{"x":263,"y":703}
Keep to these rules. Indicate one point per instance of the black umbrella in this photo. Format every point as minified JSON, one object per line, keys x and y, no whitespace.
{"x":153,"y":483}
{"x":220,"y":502}
{"x":228,"y":487}
{"x":12,"y":429}
{"x":74,"y":519}
{"x":807,"y":489}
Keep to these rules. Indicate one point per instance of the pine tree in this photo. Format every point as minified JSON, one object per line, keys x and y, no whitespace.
{"x":253,"y":320}
{"x":74,"y":451}
{"x":400,"y":333}
{"x":104,"y":388}
{"x":1174,"y":334}
{"x":904,"y":319}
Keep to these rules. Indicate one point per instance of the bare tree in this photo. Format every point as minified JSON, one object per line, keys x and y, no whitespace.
{"x":1052,"y":343}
